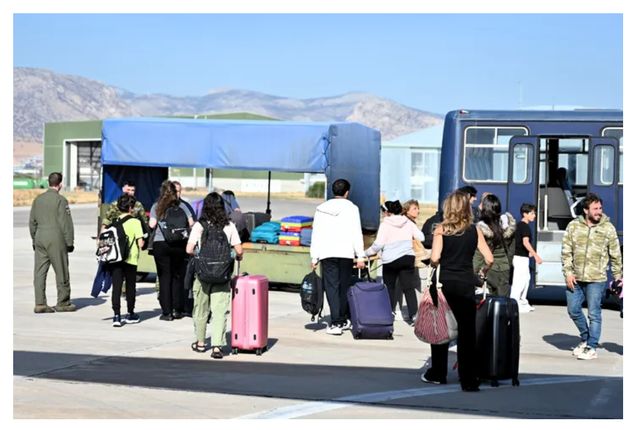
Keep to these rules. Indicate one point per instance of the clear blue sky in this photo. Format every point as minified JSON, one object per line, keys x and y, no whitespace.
{"x":430,"y":62}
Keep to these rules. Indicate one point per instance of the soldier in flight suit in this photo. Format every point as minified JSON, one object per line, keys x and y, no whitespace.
{"x":52,"y":233}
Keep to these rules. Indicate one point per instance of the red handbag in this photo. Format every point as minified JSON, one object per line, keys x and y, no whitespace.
{"x":435,"y":325}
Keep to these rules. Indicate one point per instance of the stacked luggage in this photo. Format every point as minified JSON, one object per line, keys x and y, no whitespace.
{"x":296,"y":230}
{"x":267,"y":232}
{"x":305,"y":236}
{"x":255,"y":219}
{"x":289,"y":238}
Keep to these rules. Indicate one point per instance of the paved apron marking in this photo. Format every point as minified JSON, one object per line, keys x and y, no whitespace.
{"x":314,"y":407}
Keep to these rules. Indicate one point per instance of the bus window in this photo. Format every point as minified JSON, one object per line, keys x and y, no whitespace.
{"x":604,"y":168}
{"x":570,"y":155}
{"x":618,"y":133}
{"x":621,"y":165}
{"x":522,"y":168}
{"x":486,"y":152}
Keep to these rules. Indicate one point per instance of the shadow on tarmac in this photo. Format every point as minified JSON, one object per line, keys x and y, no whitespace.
{"x":84,"y":302}
{"x":315,"y":382}
{"x":566,"y":342}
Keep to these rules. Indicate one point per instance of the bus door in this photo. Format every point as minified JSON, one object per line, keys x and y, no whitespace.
{"x":522,"y":173}
{"x":523,"y":161}
{"x":603,"y":174}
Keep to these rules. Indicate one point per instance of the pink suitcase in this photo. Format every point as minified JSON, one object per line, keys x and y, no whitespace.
{"x":250,"y":313}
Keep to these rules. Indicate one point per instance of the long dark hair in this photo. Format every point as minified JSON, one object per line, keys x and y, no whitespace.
{"x":214,"y":210}
{"x":490,"y":213}
{"x":168,"y":198}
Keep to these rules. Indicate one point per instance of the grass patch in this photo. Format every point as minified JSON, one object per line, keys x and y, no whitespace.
{"x":26,"y":197}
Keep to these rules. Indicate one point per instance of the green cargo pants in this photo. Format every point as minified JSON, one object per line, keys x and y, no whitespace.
{"x":215,"y":298}
{"x":51,"y":250}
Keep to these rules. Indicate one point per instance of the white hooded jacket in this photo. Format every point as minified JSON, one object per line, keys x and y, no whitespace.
{"x":336,"y":231}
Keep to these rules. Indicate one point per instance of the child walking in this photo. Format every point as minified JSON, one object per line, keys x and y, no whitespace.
{"x":524,"y":250}
{"x":126,"y":270}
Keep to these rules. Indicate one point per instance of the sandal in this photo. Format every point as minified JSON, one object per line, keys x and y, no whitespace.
{"x":195,"y":347}
{"x":216,"y":353}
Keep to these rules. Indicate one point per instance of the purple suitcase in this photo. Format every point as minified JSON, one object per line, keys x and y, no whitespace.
{"x":370,"y":311}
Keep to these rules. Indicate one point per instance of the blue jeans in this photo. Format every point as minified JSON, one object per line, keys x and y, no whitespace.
{"x":593,"y":292}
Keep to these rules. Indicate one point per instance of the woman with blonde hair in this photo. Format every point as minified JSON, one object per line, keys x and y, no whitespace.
{"x":454,"y":243}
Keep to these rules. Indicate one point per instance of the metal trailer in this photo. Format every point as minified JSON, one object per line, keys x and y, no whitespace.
{"x":142,"y":150}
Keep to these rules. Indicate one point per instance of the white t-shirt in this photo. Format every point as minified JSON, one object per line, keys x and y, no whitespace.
{"x":229,"y":230}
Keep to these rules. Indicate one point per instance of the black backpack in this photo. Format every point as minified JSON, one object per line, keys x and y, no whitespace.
{"x":174,"y":226}
{"x":428,"y":227}
{"x":214,"y":262}
{"x":312,"y":295}
{"x":113,"y":246}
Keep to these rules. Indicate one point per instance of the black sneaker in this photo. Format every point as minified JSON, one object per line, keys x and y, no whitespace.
{"x":177,"y":315}
{"x":166,"y":317}
{"x":426,"y":378}
{"x":132,"y":318}
{"x":116,"y":322}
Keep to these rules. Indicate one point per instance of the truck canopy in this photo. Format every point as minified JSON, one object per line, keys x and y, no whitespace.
{"x":142,"y":149}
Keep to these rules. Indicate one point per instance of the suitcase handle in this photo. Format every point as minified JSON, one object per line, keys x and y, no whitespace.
{"x":369,"y":269}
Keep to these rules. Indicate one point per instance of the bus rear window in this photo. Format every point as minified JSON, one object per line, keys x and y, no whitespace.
{"x":486,"y":152}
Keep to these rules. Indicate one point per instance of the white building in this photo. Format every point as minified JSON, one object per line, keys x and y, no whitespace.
{"x":410,"y":166}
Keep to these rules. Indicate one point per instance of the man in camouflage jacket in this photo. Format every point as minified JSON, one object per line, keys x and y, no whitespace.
{"x":589,"y":243}
{"x":138,"y":210}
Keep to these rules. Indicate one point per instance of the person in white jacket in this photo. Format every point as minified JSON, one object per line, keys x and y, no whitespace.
{"x":336,"y":240}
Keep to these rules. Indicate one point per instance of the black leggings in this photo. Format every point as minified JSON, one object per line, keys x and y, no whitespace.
{"x":123,"y":272}
{"x":401,"y":270}
{"x":461,"y":299}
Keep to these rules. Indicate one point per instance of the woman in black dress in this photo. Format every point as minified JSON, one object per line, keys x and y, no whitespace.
{"x":454,"y":243}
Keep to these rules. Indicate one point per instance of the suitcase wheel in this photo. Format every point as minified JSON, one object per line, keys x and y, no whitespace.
{"x":515,"y":382}
{"x":494,"y":383}
{"x":235,"y":351}
{"x":258,"y":351}
{"x":391,"y":336}
{"x":356,"y":336}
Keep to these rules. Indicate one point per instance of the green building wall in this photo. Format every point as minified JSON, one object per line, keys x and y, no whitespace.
{"x":56,"y":133}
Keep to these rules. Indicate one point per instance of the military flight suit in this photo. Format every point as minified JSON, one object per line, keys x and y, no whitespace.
{"x":52,"y":232}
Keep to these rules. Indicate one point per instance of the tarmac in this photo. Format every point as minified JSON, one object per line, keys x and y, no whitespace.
{"x":76,"y":365}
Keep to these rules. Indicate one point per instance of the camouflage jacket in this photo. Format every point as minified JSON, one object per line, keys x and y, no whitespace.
{"x":586,"y":250}
{"x":113,"y":212}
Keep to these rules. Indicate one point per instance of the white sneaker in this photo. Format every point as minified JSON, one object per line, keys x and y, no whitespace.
{"x":579,"y":349}
{"x":587,"y":354}
{"x":524,"y":309}
{"x":398,"y":316}
{"x":334,"y":329}
{"x":346,"y":326}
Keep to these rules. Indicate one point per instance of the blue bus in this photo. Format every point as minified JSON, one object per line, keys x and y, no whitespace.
{"x":548,"y":158}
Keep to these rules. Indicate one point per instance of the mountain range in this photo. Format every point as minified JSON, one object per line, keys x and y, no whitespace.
{"x":42,"y":96}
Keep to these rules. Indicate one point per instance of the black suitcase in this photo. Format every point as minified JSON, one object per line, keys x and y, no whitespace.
{"x":254,"y":219}
{"x":498,"y":339}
